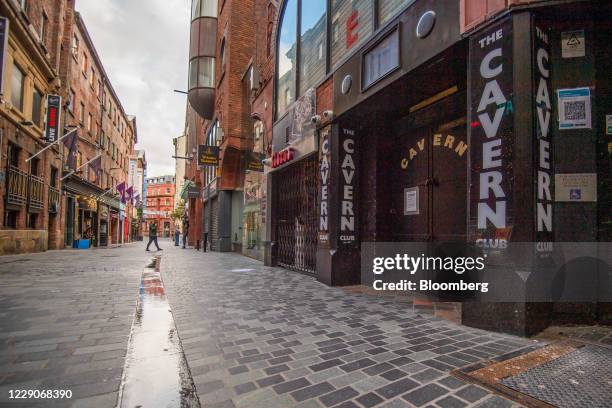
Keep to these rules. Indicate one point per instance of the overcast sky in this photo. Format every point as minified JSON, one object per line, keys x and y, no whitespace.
{"x":144,"y":47}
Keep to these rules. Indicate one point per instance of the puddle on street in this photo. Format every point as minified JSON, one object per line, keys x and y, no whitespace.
{"x":156,"y":373}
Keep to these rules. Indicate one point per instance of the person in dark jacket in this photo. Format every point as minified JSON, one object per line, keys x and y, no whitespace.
{"x":185,"y":231}
{"x":153,"y":236}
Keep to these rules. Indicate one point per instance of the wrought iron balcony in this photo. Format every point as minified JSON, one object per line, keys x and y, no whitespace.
{"x":17,"y":186}
{"x":37,"y":200}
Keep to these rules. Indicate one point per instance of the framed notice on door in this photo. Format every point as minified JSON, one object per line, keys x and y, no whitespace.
{"x":411,"y":201}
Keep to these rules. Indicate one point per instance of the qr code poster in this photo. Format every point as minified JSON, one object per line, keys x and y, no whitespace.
{"x":574,"y":108}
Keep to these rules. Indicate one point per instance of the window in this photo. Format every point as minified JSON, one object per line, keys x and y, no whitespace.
{"x":44,"y":23}
{"x":24,"y":5}
{"x":202,"y":72}
{"x":222,"y":54}
{"x":17,"y":80}
{"x":287,"y":50}
{"x":36,"y":107}
{"x":10,"y":219}
{"x":85,"y":64}
{"x":82,"y":113}
{"x":32,"y":219}
{"x":381,"y":59}
{"x":53,"y":177}
{"x":313,"y":39}
{"x":75,"y":45}
{"x":92,"y":77}
{"x":352,"y":24}
{"x":71,"y":100}
{"x":389,"y":8}
{"x":203,"y":8}
{"x":89,"y":122}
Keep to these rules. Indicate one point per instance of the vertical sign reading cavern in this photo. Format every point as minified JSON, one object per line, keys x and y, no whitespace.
{"x":491,"y":134}
{"x":543,"y":143}
{"x":347,"y":183}
{"x":324,"y":185}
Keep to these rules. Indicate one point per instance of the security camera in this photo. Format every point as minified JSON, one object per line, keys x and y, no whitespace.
{"x":316,"y":120}
{"x":328,"y":115}
{"x":267,"y":162}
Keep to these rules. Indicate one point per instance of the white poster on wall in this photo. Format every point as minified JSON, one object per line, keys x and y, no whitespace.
{"x":573,"y":44}
{"x":574,"y":108}
{"x":411,"y":201}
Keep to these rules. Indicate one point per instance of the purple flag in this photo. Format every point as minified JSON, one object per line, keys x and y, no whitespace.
{"x":121,"y":190}
{"x":137,"y":199}
{"x":71,"y":144}
{"x":130,"y":194}
{"x":96,"y":167}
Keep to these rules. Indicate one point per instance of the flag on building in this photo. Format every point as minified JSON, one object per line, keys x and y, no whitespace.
{"x":121,"y":190}
{"x":130,"y":194}
{"x":96,"y":168}
{"x":71,"y":144}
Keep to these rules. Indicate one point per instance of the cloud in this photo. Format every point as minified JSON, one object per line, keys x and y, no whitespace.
{"x":144,"y":47}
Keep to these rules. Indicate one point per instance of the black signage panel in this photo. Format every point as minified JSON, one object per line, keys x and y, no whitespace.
{"x":542,"y":109}
{"x":4,"y":31}
{"x":208,"y":155}
{"x":255,"y":162}
{"x":491,"y":135}
{"x":324,"y":186}
{"x":347,"y":189}
{"x":52,"y":121}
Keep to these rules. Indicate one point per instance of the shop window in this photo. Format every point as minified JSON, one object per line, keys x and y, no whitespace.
{"x":382,"y":59}
{"x":202,"y":72}
{"x":10,"y":219}
{"x":389,"y":9}
{"x":313,"y":37}
{"x":36,"y":107}
{"x":203,"y":8}
{"x":353,"y":24}
{"x":287,"y":45}
{"x":17,"y":81}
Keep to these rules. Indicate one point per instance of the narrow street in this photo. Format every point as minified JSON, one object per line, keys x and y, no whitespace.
{"x":253,"y":336}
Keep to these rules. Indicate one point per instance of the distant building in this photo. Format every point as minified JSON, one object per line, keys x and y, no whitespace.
{"x":159,"y":205}
{"x":180,"y":150}
{"x":137,"y":177}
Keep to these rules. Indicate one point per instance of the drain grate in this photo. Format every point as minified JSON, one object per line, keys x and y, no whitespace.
{"x":581,"y":378}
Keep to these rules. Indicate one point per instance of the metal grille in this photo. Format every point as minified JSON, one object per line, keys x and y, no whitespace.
{"x":297,"y":215}
{"x":37,"y":186}
{"x":17,"y":191}
{"x":214,"y":218}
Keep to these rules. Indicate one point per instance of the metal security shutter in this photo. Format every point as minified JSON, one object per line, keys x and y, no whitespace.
{"x":214,"y":221}
{"x":297,"y":215}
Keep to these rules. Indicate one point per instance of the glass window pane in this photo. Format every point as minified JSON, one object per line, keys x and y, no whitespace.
{"x":17,"y":88}
{"x":203,"y":8}
{"x":351,"y":26}
{"x":193,"y":73}
{"x":286,"y":57}
{"x":382,"y":59}
{"x":36,"y":107}
{"x":206,"y":72}
{"x":389,"y":8}
{"x":195,"y":9}
{"x":312,"y":43}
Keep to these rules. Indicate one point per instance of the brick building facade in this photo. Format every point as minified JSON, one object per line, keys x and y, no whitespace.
{"x":159,"y":205}
{"x":47,"y":205}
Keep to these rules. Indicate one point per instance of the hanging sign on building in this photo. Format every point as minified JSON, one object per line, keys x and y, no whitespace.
{"x":324,"y":185}
{"x":574,"y":108}
{"x":52,"y":121}
{"x":255,"y":162}
{"x":347,"y":186}
{"x":4,"y":27}
{"x":543,"y":124}
{"x":491,"y":133}
{"x":208,"y":155}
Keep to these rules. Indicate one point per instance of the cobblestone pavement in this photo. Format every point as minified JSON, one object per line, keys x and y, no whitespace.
{"x":65,"y":319}
{"x":261,"y":337}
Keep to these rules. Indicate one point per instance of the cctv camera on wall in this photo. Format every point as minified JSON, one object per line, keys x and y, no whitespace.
{"x":328,"y":115}
{"x":316,"y":120}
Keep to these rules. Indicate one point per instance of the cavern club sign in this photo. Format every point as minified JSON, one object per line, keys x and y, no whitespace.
{"x":491,"y":133}
{"x":347,"y":183}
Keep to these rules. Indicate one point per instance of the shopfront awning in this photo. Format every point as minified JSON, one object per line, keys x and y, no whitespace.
{"x":77,"y":186}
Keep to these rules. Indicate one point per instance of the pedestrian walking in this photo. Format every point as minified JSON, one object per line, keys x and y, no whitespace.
{"x":185,"y":231}
{"x":153,"y":236}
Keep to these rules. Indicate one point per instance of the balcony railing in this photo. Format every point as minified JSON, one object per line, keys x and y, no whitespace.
{"x":37,"y":195}
{"x":54,"y":200}
{"x":17,"y":191}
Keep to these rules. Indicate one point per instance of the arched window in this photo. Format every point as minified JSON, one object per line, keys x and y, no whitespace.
{"x":286,"y":57}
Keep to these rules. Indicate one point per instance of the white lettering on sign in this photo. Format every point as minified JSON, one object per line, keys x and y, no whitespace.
{"x":347,"y":196}
{"x":324,"y":175}
{"x":543,"y":110}
{"x":491,"y":180}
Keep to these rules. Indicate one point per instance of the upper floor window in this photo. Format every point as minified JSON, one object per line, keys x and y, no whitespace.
{"x":82,"y":113}
{"x":24,"y":5}
{"x":313,"y":39}
{"x":202,"y":72}
{"x":17,"y":82}
{"x":85,"y":64}
{"x":44,"y":23}
{"x":389,"y":8}
{"x":71,"y":100}
{"x":287,"y":57}
{"x":37,"y":107}
{"x":75,"y":45}
{"x":203,"y":8}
